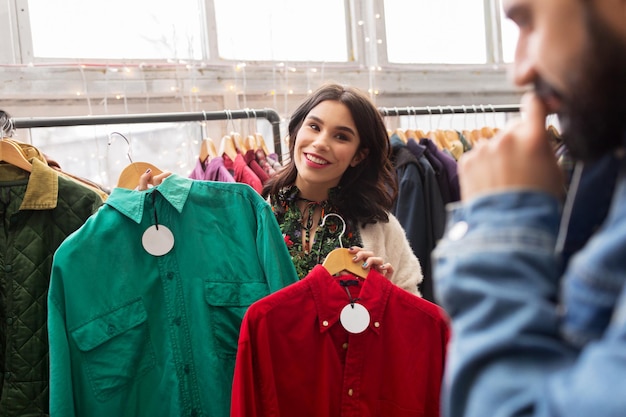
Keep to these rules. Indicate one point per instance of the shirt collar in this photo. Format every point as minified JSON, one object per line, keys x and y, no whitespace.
{"x":330,"y":297}
{"x":175,"y":189}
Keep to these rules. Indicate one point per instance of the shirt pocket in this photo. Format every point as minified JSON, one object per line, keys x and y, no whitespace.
{"x":116,"y":348}
{"x":228,"y":302}
{"x":391,"y":409}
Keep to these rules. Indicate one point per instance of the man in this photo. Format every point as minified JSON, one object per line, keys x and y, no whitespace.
{"x":534,"y":289}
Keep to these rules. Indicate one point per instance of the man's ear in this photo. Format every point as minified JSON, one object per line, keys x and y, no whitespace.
{"x":359,"y":157}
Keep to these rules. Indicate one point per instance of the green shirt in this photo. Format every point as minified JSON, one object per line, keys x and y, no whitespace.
{"x":132,"y":334}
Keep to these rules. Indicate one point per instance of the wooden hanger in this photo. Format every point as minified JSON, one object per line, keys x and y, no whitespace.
{"x":401,"y":135}
{"x":238,"y":141}
{"x":250,"y":142}
{"x":207,"y":150}
{"x":227,"y":146}
{"x":11,"y":153}
{"x":340,"y":259}
{"x":261,"y":143}
{"x":486,"y":132}
{"x":129,"y":177}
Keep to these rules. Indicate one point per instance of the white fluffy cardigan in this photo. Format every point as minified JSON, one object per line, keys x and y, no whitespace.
{"x":388,"y":241}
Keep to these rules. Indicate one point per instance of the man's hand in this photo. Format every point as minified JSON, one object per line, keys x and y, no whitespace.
{"x":520,"y":157}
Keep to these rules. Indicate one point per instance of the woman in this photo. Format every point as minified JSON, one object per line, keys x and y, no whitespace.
{"x":340,"y":163}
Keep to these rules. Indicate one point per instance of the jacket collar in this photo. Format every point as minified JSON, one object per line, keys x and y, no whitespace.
{"x":175,"y":189}
{"x":42,"y":191}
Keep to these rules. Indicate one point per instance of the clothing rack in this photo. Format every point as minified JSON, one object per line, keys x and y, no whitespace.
{"x":467,"y":109}
{"x":269,"y":114}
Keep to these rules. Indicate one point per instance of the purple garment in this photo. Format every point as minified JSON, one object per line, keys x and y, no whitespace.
{"x":213,"y":171}
{"x":449,"y":167}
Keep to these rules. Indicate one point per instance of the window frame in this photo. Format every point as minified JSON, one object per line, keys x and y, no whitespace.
{"x":359,"y":53}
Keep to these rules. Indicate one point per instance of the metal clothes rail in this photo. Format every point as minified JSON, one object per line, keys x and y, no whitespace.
{"x":269,"y":114}
{"x":468,"y":109}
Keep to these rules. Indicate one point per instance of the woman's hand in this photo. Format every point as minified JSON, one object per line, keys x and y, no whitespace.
{"x":367,"y":260}
{"x":147,"y":179}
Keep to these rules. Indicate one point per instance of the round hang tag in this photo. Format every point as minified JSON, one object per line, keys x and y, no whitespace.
{"x":157,"y":242}
{"x":354,"y":318}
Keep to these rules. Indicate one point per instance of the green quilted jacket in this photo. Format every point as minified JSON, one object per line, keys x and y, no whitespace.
{"x":37,"y":214}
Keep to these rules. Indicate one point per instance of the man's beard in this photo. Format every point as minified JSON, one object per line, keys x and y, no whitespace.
{"x":593,"y":112}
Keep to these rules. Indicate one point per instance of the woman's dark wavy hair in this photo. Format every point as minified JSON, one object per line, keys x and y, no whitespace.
{"x":368,"y":190}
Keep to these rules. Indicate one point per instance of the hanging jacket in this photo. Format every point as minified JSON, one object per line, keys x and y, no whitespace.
{"x":38,"y":212}
{"x":418,"y":207}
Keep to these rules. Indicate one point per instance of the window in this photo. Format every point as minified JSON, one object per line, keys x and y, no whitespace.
{"x":277,"y":30}
{"x":437,"y":32}
{"x":510,"y":32}
{"x":116,"y":29}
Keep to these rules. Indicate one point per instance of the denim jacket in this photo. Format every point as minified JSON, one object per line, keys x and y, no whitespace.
{"x":530,"y":336}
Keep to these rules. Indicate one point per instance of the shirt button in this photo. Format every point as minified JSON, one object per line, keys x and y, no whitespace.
{"x":350,"y":392}
{"x":111,"y":329}
{"x":376,"y":324}
{"x":186,"y":368}
{"x":177,"y":321}
{"x":345,"y":346}
{"x":8,"y":268}
{"x":7,"y":375}
{"x":458,"y":231}
{"x":9,"y":320}
{"x":170,"y":275}
{"x":194,"y":412}
{"x":325,"y":323}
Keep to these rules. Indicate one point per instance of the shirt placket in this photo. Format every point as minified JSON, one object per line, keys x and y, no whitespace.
{"x":353,"y":370}
{"x":178,"y":323}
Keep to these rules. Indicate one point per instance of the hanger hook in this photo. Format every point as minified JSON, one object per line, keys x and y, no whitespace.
{"x":128,"y":151}
{"x":475,"y":117}
{"x":440,"y":117}
{"x":229,"y":120}
{"x":8,"y":127}
{"x":430,"y":118}
{"x":255,"y":119}
{"x":248,"y":111}
{"x":482,"y":110}
{"x":343,"y":230}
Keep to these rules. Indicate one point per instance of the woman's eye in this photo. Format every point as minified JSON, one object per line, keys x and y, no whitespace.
{"x":314,"y":126}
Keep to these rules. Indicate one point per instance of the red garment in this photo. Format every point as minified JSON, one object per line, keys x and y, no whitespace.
{"x":296,"y":359}
{"x":242,"y":172}
{"x":250,"y":159}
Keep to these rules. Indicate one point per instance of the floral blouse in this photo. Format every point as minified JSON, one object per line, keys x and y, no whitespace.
{"x":291,"y":222}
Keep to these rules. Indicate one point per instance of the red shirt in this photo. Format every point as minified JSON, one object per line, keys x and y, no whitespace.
{"x":242,"y":172}
{"x":296,"y":359}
